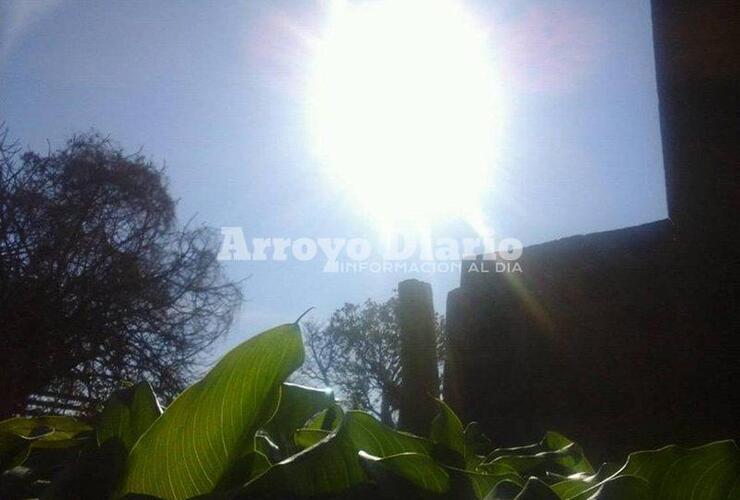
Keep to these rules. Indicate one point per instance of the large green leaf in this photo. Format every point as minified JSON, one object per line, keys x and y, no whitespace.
{"x":552,"y":441}
{"x":554,"y":453}
{"x":21,"y":434}
{"x":128,"y":413}
{"x":332,"y":465}
{"x":624,"y":488}
{"x":305,"y":438}
{"x":319,"y":427}
{"x":46,"y":429}
{"x":708,"y":472}
{"x":246,"y":467}
{"x":13,"y":450}
{"x":447,"y":431}
{"x":476,"y":442}
{"x":476,"y":484}
{"x":213,"y":423}
{"x":399,"y":475}
{"x":264,"y":445}
{"x":326,"y":420}
{"x":536,"y":489}
{"x":577,"y":483}
{"x":297,"y":405}
{"x":91,"y":474}
{"x":456,"y":448}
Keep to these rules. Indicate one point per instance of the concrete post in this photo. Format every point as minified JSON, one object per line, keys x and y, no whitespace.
{"x":419,"y":374}
{"x":456,"y":314}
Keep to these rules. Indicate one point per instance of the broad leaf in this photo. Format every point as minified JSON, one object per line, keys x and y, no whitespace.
{"x":476,"y":442}
{"x":332,"y":465}
{"x":46,"y":429}
{"x":13,"y":450}
{"x":242,"y":470}
{"x":305,"y":438}
{"x":19,"y":435}
{"x":476,"y":484}
{"x":327,"y":420}
{"x":297,"y":405}
{"x":399,"y":475}
{"x":92,"y":473}
{"x":505,"y":490}
{"x":708,"y":472}
{"x":128,"y":414}
{"x":187,"y":450}
{"x":451,"y":448}
{"x":447,"y":432}
{"x":624,"y":488}
{"x":552,"y":441}
{"x":577,"y":483}
{"x":263,"y":444}
{"x":535,"y":489}
{"x":555,"y":453}
{"x":319,"y":427}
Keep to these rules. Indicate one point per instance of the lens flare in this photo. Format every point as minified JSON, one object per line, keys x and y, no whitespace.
{"x":404,"y":108}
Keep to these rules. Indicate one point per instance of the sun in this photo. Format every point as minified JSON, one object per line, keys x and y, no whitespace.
{"x":403,"y":108}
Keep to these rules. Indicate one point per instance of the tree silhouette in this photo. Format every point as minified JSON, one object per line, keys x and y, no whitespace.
{"x":357,"y":353}
{"x":98,"y":284}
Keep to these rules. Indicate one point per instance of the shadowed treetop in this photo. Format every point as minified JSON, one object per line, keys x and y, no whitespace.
{"x":98,"y":283}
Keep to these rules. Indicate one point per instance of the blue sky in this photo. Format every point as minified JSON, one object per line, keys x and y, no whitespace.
{"x":216,"y":90}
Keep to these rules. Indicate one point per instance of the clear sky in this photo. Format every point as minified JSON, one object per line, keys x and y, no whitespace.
{"x":217,"y":90}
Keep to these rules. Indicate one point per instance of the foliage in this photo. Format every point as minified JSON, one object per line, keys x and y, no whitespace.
{"x":358,"y":353}
{"x":98,"y":283}
{"x":243,"y":433}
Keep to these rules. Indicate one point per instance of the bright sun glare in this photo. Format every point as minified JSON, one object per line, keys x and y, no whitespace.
{"x":404,"y":109}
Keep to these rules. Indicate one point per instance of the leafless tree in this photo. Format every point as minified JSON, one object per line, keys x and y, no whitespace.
{"x":98,"y":283}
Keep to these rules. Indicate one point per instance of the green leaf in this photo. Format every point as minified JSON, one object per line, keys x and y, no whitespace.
{"x":400,"y":474}
{"x":128,"y":414}
{"x":45,"y":429}
{"x":505,"y":490}
{"x":13,"y":450}
{"x":326,"y":420}
{"x":319,"y":427}
{"x":332,"y":465}
{"x":476,"y":484}
{"x":559,"y":462}
{"x":194,"y":443}
{"x":708,"y":472}
{"x":305,"y":438}
{"x":552,"y":441}
{"x":297,"y":405}
{"x":624,"y":487}
{"x":21,"y":434}
{"x":448,"y":435}
{"x":93,"y":473}
{"x":580,"y":482}
{"x":535,"y":489}
{"x":264,"y":445}
{"x":451,"y":448}
{"x":447,"y":430}
{"x":476,"y":442}
{"x":243,"y":469}
{"x":554,"y":453}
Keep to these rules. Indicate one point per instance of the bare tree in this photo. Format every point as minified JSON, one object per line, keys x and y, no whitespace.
{"x":98,"y":284}
{"x":357,"y":353}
